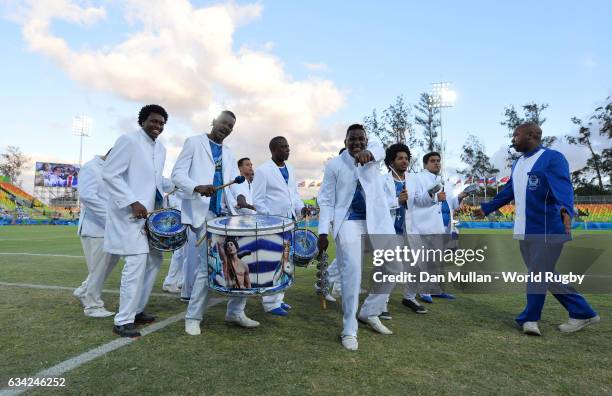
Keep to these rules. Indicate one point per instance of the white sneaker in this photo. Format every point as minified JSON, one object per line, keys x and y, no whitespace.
{"x":375,"y":323}
{"x":79,"y":297}
{"x":242,"y":320}
{"x":573,"y":325}
{"x":192,"y":327}
{"x":337,"y":290}
{"x":531,"y":328}
{"x":350,"y":342}
{"x":329,"y":298}
{"x":171,"y":289}
{"x":98,"y":313}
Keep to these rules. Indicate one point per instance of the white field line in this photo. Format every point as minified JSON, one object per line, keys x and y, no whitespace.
{"x":70,"y":364}
{"x":49,"y":287}
{"x":49,"y":255}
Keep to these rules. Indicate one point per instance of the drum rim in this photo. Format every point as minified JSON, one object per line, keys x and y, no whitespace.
{"x":289,"y":225}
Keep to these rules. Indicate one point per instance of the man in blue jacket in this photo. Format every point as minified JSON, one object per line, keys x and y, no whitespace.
{"x":543,"y":195}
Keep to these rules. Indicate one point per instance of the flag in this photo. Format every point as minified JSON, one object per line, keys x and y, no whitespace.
{"x":481,"y":180}
{"x":504,"y":180}
{"x":458,"y":182}
{"x":491,"y":180}
{"x":302,"y":184}
{"x":468,"y":180}
{"x":312,"y":184}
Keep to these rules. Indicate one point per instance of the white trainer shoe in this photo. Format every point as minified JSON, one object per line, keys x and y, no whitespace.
{"x":531,"y":328}
{"x":350,"y":342}
{"x":573,"y":325}
{"x":98,"y":313}
{"x":330,"y":298}
{"x":192,"y":327}
{"x":242,"y":320}
{"x":171,"y":289}
{"x":375,"y":323}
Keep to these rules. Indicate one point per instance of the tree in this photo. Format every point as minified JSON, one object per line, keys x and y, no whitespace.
{"x":532,"y":112}
{"x":12,"y":162}
{"x":394,"y":126}
{"x":598,"y":164}
{"x":427,"y":117}
{"x":478,"y":163}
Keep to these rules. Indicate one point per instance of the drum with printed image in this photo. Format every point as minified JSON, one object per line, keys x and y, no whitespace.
{"x":250,"y":255}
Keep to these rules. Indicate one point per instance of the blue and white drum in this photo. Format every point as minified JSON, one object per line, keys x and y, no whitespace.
{"x":165,"y":231}
{"x":250,"y":255}
{"x":304,"y":247}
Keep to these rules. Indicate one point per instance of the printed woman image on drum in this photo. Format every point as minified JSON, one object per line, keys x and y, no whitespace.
{"x":250,"y":255}
{"x":236,"y":273}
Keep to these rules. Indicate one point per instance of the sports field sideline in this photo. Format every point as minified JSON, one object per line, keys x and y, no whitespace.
{"x":470,"y":345}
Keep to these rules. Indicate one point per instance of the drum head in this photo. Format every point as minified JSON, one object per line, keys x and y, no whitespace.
{"x":166,"y":223}
{"x":249,"y":225}
{"x":305,"y":243}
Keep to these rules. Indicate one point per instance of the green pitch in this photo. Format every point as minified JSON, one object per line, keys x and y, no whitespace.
{"x":470,"y":345}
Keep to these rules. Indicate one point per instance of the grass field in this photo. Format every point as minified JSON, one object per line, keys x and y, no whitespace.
{"x":470,"y":345}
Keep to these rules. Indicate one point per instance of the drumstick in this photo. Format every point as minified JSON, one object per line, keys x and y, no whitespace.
{"x":150,"y":213}
{"x":238,"y":179}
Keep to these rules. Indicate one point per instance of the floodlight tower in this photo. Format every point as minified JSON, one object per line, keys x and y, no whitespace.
{"x":81,"y":126}
{"x":442,"y":95}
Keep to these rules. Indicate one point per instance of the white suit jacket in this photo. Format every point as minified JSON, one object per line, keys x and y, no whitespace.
{"x":272,"y":195}
{"x":132,"y":172}
{"x":93,"y":198}
{"x":338,"y":188}
{"x":195,"y":166}
{"x":245,"y":189}
{"x":425,"y":211}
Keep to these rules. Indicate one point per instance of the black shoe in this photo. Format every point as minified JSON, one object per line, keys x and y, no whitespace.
{"x":126,"y":330}
{"x":385,"y":316}
{"x":143,"y":318}
{"x":415,"y":306}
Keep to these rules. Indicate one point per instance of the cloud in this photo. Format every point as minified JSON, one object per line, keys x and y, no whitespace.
{"x":319,"y":67}
{"x":589,"y":62}
{"x":184,"y":58}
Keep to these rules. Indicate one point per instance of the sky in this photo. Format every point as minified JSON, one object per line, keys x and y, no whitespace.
{"x":304,"y":70}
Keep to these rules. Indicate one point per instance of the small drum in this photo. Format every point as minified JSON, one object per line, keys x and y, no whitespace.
{"x":250,"y":255}
{"x":304,"y":247}
{"x":165,"y":231}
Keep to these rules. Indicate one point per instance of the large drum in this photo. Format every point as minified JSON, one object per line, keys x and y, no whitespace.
{"x":250,"y":255}
{"x":165,"y":231}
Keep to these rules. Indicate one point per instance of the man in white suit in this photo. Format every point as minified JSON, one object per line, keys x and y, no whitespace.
{"x":204,"y":163}
{"x":245,"y":166}
{"x":431,"y":215}
{"x":93,"y":198}
{"x":132,"y":174}
{"x":275,"y":193}
{"x":354,"y":198}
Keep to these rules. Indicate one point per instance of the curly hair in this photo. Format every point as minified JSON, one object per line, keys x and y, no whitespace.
{"x":152,"y":108}
{"x":395,"y":149}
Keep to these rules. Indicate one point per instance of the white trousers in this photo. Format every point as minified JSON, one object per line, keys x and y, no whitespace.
{"x":137,"y":279}
{"x":191,"y":264}
{"x":175,"y":271}
{"x":348,"y":256}
{"x":272,"y":301}
{"x":99,"y":265}
{"x":200,"y":296}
